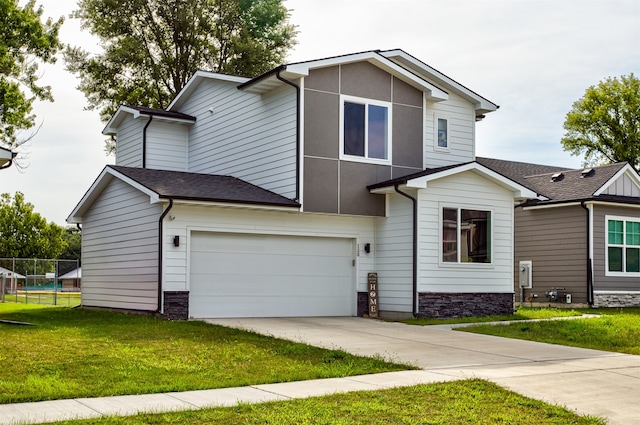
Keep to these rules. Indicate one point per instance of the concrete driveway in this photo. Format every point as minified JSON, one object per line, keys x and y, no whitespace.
{"x":587,"y":381}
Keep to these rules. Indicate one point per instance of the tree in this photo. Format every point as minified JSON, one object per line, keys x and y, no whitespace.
{"x":153,"y":47}
{"x":25,"y":40}
{"x":73,"y":239}
{"x":604,"y":124}
{"x":25,"y":233}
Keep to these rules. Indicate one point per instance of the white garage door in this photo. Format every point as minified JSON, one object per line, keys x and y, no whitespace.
{"x":245,"y":275}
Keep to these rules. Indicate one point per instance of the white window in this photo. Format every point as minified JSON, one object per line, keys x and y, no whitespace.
{"x":441,"y":133}
{"x":623,"y":246}
{"x":365,"y":130}
{"x":466,"y":236}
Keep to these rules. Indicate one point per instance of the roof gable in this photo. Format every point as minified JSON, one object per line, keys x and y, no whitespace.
{"x":195,"y":80}
{"x":140,"y":111}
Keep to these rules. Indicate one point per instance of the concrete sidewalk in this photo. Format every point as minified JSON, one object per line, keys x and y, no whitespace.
{"x":587,"y":381}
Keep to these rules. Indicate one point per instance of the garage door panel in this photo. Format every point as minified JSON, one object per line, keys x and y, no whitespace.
{"x":244,"y":275}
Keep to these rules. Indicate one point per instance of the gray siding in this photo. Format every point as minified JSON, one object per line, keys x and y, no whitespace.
{"x":245,"y":135}
{"x":166,"y":146}
{"x":322,"y":107}
{"x":129,"y":142}
{"x":120,"y":250}
{"x":555,"y":240}
{"x":602,"y":282}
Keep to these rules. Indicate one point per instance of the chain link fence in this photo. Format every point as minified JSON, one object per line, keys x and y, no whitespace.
{"x":40,"y":281}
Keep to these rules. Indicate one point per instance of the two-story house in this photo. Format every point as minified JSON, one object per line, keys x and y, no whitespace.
{"x":279,"y":195}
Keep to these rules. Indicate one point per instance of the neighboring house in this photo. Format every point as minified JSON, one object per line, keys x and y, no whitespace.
{"x":72,"y":279}
{"x":279,"y":195}
{"x":9,"y":280}
{"x":6,"y":157}
{"x":583,"y":236}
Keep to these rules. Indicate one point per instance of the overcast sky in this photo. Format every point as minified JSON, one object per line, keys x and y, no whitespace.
{"x":533,"y":58}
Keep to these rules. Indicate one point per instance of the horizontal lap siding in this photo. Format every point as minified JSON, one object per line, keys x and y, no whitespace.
{"x":119,"y":250}
{"x":601,"y":281}
{"x":394,"y":255}
{"x":167,"y":146}
{"x":471,"y":191}
{"x":248,"y":136}
{"x":129,"y":142}
{"x":230,"y":220}
{"x":555,"y":240}
{"x":461,"y":119}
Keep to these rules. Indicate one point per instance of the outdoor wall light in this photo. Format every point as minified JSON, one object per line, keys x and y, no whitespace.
{"x":367,"y":248}
{"x":176,"y":240}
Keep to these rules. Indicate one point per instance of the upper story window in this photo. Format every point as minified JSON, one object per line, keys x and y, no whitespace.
{"x":466,"y":236}
{"x":366,"y":130}
{"x":623,"y":246}
{"x":441,"y":136}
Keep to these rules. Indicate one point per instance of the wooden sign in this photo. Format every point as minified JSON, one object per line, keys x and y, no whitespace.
{"x":372,"y":284}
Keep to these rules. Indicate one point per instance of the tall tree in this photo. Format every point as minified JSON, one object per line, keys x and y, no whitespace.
{"x":604,"y":124}
{"x":73,"y":240}
{"x":24,"y":42}
{"x":25,"y":233}
{"x":153,"y":47}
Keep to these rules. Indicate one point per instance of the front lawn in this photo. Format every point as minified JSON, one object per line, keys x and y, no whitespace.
{"x":522,"y":313}
{"x":474,"y":402}
{"x":615,"y":330}
{"x":73,"y":353}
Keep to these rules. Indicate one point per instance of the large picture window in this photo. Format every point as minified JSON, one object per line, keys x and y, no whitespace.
{"x":366,"y":130}
{"x":466,"y":236}
{"x":623,"y":245}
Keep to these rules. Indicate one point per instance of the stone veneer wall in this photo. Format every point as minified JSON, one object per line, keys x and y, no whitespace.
{"x":616,"y":300}
{"x":176,"y":305}
{"x":439,"y":304}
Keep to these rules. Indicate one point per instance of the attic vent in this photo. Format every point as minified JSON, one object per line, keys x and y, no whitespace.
{"x":557,"y":177}
{"x":588,"y":172}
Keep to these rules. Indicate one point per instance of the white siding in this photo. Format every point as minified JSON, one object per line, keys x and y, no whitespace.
{"x":465,"y":190}
{"x":129,"y":142}
{"x":623,"y":186}
{"x":242,"y":220}
{"x":461,"y":119}
{"x":394,"y":255}
{"x":166,"y":146}
{"x":246,"y":135}
{"x":119,"y":250}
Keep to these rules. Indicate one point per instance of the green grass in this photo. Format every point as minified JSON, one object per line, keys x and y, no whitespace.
{"x":615,"y":330}
{"x":474,"y":402}
{"x":521,"y":314}
{"x":83,"y":353}
{"x":64,"y":299}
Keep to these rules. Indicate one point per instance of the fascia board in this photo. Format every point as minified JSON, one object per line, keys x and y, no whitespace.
{"x":105,"y":177}
{"x":116,"y":119}
{"x":233,"y":205}
{"x":518,"y":190}
{"x":195,"y":80}
{"x":435,"y":93}
{"x":628,"y":170}
{"x":481,"y":104}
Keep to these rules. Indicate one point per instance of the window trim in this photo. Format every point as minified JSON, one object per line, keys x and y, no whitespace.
{"x":366,"y":102}
{"x":624,"y":245}
{"x":459,"y":263}
{"x":436,"y":117}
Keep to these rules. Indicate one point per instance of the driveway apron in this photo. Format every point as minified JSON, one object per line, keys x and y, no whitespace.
{"x":589,"y":382}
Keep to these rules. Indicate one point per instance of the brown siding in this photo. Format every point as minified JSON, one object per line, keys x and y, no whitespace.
{"x":601,"y":282}
{"x":555,"y":240}
{"x":323,"y":88}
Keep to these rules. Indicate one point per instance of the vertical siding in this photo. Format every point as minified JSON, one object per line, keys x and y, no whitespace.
{"x":394,"y":255}
{"x":129,"y":142}
{"x":623,"y":186}
{"x":166,"y":146}
{"x":241,"y":220}
{"x":248,"y":136}
{"x":555,"y":240}
{"x":602,"y":282}
{"x":119,"y":250}
{"x":465,"y":190}
{"x":461,"y":119}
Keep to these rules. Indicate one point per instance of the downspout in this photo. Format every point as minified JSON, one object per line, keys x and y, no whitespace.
{"x":297,"y":87}
{"x":164,"y":214}
{"x":144,"y":142}
{"x":415,"y":250}
{"x":589,"y":259}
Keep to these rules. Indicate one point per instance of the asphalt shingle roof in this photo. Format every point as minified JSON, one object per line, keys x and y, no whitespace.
{"x":203,"y":187}
{"x":162,"y":113}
